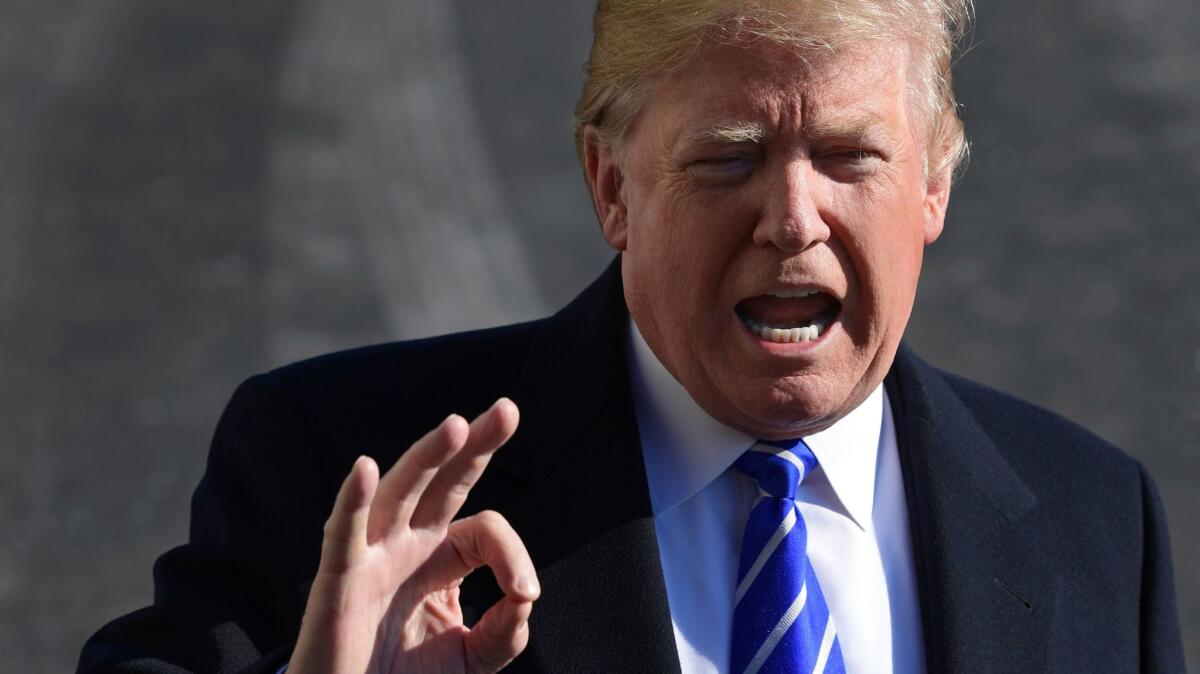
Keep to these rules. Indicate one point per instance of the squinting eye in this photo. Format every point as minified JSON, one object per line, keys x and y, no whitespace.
{"x":850,"y":164}
{"x":854,"y":155}
{"x":723,"y":170}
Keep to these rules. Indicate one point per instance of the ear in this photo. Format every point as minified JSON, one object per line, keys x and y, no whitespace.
{"x":604,"y":181}
{"x":937,"y":198}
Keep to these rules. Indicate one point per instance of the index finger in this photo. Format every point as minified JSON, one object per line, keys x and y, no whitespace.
{"x":485,"y":539}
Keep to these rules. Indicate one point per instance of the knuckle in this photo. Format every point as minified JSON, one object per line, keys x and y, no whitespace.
{"x":491,"y":653}
{"x":458,"y":491}
{"x":491,"y":519}
{"x":330,"y":530}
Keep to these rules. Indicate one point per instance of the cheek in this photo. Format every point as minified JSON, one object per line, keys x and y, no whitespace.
{"x":882,"y":234}
{"x":665,"y":256}
{"x":694,"y":237}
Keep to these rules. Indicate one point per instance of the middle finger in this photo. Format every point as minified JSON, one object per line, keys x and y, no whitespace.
{"x":449,"y":488}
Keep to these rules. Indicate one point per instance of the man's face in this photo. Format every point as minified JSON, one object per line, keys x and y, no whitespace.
{"x":772,"y":211}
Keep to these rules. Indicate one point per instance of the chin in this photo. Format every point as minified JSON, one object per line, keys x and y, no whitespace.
{"x":791,"y":407}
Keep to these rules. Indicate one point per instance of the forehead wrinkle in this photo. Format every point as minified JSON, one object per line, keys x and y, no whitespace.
{"x":770,"y":100}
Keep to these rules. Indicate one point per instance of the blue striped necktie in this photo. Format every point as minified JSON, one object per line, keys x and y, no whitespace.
{"x":780,"y":620}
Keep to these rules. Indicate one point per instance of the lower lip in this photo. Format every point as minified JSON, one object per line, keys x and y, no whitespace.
{"x":790,"y":348}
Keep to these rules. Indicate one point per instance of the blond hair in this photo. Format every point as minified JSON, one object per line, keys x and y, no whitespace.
{"x":637,"y":42}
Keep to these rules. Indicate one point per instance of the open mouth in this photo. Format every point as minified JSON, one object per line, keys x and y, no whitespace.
{"x":790,"y":316}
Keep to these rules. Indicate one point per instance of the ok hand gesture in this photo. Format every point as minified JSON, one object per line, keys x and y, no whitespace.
{"x":385,"y":598}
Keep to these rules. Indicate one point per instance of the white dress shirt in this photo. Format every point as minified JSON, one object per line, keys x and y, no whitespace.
{"x":853,"y":506}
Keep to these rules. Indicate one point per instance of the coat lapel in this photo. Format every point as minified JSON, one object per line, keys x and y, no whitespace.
{"x":988,"y":597}
{"x":573,"y":485}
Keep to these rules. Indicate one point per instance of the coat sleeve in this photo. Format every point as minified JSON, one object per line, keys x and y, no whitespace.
{"x":1161,"y":643}
{"x":231,"y":599}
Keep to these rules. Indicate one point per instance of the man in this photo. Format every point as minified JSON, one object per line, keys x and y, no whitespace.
{"x":726,"y":461}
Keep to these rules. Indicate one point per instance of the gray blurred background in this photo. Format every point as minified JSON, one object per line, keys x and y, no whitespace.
{"x":194,"y":192}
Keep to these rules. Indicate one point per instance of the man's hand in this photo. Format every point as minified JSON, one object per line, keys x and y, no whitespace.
{"x":385,"y":598}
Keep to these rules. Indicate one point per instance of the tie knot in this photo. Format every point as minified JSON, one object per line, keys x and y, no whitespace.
{"x":779,"y":466}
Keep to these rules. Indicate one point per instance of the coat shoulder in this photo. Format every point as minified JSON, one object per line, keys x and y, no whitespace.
{"x":420,"y":380}
{"x":1090,"y":494}
{"x":1040,"y":441}
{"x":1014,"y":421}
{"x":489,"y":352}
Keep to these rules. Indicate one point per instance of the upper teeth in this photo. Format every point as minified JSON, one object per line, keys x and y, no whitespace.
{"x":801,"y":292}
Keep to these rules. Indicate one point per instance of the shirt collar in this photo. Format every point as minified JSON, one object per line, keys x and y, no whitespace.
{"x":685,"y":449}
{"x":847,"y":452}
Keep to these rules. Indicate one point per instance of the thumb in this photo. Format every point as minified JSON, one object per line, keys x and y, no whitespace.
{"x":499,"y":636}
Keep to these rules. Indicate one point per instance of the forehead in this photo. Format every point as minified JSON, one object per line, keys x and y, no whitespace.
{"x":780,"y":90}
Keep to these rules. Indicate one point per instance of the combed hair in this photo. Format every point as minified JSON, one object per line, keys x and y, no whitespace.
{"x":638,"y":42}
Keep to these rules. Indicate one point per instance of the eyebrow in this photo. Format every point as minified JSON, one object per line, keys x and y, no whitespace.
{"x":866,"y":126}
{"x":739,"y":132}
{"x":854,"y":127}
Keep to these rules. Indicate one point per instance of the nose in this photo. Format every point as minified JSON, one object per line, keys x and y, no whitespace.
{"x":791,"y":220}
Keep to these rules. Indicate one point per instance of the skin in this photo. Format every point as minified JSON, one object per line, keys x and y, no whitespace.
{"x":833,"y":196}
{"x":748,"y":172}
{"x":385,"y":597}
